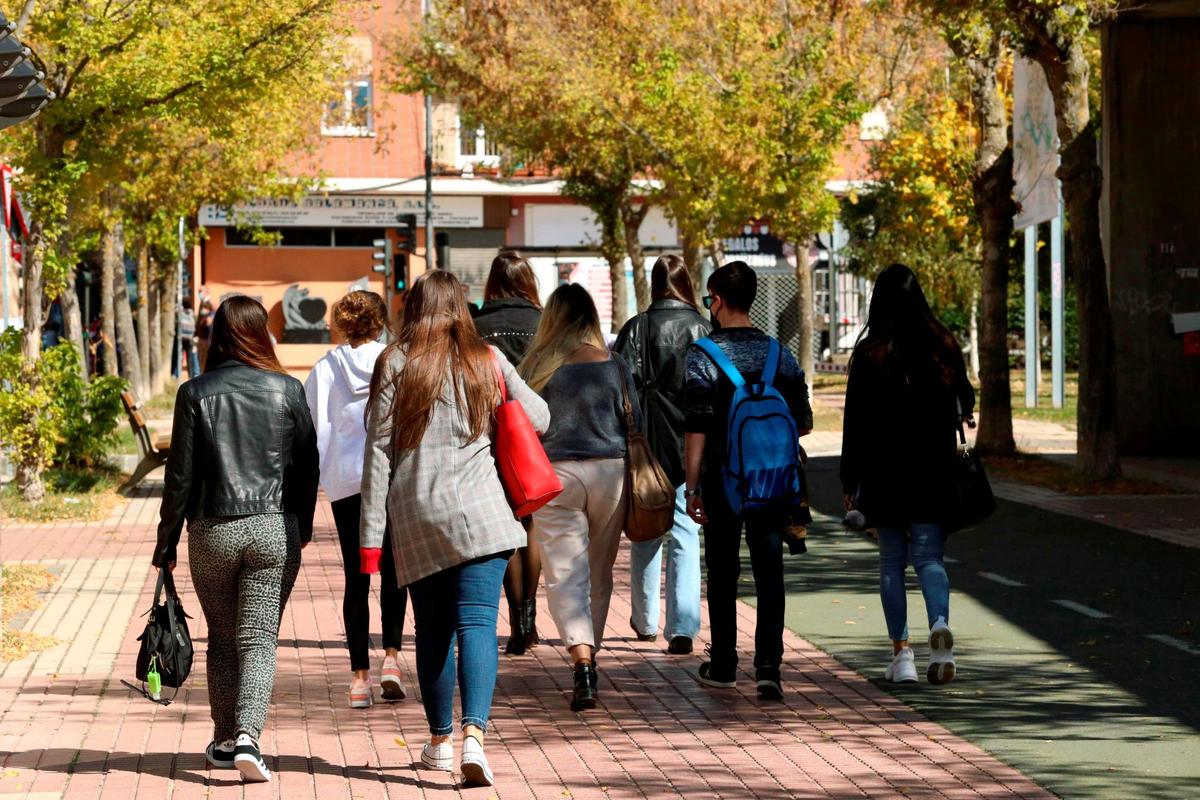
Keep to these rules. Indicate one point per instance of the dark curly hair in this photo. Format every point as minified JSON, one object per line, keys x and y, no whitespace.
{"x":360,"y":316}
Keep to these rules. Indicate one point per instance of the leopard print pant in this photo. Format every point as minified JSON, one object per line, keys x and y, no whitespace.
{"x":243,"y":569}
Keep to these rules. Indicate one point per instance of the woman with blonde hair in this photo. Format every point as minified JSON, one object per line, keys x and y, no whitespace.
{"x":430,"y":482}
{"x":578,"y":533}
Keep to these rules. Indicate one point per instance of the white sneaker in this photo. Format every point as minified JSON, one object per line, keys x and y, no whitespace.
{"x":941,"y":653}
{"x":475,"y":767}
{"x":249,"y":761}
{"x":903,"y":668}
{"x":220,"y":754}
{"x":439,"y":756}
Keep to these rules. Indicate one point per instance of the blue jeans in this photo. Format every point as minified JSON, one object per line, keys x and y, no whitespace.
{"x":458,"y":604}
{"x":927,"y":546}
{"x":682,"y":545}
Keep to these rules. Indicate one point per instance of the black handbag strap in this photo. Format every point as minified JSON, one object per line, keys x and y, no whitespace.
{"x":962,"y":434}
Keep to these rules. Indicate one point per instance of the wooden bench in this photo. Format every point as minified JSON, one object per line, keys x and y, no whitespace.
{"x":154,"y":451}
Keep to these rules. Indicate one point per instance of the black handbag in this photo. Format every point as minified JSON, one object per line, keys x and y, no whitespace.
{"x":972,"y":500}
{"x":166,"y":644}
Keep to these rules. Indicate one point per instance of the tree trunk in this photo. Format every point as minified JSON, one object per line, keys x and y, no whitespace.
{"x":612,"y":246}
{"x":691,"y":257}
{"x":73,"y":323}
{"x":131,"y":362}
{"x":992,"y":187}
{"x":631,"y":220}
{"x":804,"y":312}
{"x":154,"y":337}
{"x":31,"y":301}
{"x":110,"y":257}
{"x":167,"y":317}
{"x":973,"y":337}
{"x":143,"y":313}
{"x":1059,"y":51}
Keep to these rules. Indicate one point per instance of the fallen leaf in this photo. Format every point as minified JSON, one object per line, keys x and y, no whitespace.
{"x":400,"y":741}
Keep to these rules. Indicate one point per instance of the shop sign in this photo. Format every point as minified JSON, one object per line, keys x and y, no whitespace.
{"x":752,"y":244}
{"x":345,"y":211}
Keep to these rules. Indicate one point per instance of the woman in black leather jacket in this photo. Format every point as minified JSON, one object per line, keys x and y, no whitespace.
{"x":508,"y":320}
{"x":655,"y":344}
{"x":243,"y":473}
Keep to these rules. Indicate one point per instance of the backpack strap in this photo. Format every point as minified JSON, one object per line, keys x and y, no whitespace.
{"x":714,"y":351}
{"x":771,"y":367}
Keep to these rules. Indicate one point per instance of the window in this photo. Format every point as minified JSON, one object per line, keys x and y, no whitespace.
{"x":288,"y":237}
{"x":350,"y":114}
{"x":474,"y":147}
{"x":357,"y":237}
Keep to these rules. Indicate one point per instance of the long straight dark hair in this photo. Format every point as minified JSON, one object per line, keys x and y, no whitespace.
{"x":511,"y":276}
{"x":670,"y":280}
{"x":902,"y":334}
{"x":239,"y":333}
{"x":439,"y":342}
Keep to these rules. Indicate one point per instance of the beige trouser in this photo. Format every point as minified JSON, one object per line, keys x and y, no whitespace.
{"x":578,"y":533}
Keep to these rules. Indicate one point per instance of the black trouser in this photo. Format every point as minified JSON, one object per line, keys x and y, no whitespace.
{"x":355,"y":610}
{"x":722,"y":557}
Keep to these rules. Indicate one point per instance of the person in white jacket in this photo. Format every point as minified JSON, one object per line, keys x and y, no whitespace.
{"x":337,"y":390}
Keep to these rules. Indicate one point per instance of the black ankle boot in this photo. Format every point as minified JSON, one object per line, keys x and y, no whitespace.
{"x":519,"y":637}
{"x":585,"y":686}
{"x":529,"y":620}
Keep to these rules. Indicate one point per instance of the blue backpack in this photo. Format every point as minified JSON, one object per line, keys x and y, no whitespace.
{"x":763,"y":467}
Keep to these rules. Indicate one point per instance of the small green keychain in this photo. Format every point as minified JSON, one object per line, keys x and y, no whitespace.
{"x":153,"y":680}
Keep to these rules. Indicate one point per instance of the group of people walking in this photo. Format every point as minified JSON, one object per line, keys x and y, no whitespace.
{"x":401,"y":439}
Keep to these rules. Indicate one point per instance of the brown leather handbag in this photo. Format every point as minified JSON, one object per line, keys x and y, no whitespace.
{"x":651,"y":510}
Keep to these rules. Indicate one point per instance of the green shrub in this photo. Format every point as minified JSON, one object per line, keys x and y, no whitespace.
{"x":51,"y":416}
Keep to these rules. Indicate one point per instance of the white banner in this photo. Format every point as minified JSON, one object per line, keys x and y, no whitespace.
{"x":346,"y":211}
{"x":1035,"y":146}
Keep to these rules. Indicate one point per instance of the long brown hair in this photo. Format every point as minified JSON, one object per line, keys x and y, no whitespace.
{"x":239,"y":333}
{"x":570,"y":320}
{"x":670,"y":280}
{"x":438,"y":339}
{"x":511,"y":276}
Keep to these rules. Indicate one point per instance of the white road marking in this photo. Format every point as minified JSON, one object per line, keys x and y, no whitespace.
{"x":1000,"y":579}
{"x":1171,"y":641}
{"x":1080,"y":608}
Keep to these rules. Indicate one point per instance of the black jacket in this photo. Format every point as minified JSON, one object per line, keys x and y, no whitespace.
{"x":655,"y":344}
{"x":900,"y":439}
{"x":509,"y":324}
{"x":243,"y":443}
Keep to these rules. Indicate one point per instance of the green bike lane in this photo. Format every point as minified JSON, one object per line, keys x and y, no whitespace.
{"x":1078,"y":645}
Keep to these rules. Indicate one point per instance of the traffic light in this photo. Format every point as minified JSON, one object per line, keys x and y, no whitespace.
{"x":22,"y":94}
{"x":400,"y":272}
{"x":406,"y":234}
{"x":382,"y":256}
{"x":441,"y":242}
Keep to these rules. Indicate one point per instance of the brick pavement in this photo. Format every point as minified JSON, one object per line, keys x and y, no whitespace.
{"x":68,"y":729}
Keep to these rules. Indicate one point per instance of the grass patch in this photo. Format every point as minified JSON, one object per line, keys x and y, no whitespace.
{"x":89,"y":496}
{"x":20,"y":584}
{"x":1045,"y":412}
{"x":1047,"y":473}
{"x":826,"y":418}
{"x":163,"y":405}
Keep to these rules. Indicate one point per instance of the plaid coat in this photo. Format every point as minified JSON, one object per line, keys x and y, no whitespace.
{"x":443,"y":499}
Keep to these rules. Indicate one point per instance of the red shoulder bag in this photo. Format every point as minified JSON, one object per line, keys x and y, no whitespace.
{"x":525,"y":471}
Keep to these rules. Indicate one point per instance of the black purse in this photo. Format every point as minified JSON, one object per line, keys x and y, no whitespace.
{"x":166,"y":652}
{"x":972,"y":500}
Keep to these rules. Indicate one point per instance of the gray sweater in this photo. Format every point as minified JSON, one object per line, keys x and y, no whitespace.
{"x":587,"y":417}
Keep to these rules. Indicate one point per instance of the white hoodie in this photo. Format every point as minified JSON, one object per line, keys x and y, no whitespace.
{"x":337,"y":390}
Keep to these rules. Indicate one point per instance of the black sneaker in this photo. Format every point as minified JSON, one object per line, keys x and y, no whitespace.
{"x":249,"y":761}
{"x":642,"y":637}
{"x":769,"y":685}
{"x":717,"y":677}
{"x":584,"y":696}
{"x":220,"y":754}
{"x":680,"y":646}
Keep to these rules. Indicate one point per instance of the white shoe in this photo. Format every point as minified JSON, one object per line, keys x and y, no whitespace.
{"x":439,"y":756}
{"x":220,"y":754}
{"x":249,"y":761}
{"x":903,"y":668}
{"x":475,"y":767}
{"x":941,"y":653}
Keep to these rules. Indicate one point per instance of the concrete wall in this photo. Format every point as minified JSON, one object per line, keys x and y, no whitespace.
{"x":1151,"y":160}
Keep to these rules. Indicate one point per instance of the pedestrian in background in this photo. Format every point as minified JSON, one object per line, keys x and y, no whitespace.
{"x":508,"y":321}
{"x":337,"y":391}
{"x":655,"y":345}
{"x":579,"y":531}
{"x":187,"y":339}
{"x":243,"y":474}
{"x":430,"y":481}
{"x":709,"y":393}
{"x":906,"y":393}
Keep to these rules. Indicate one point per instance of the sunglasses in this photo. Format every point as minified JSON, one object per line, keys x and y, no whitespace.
{"x":708,"y":300}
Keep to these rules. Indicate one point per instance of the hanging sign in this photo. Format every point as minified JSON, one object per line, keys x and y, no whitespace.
{"x":345,"y":211}
{"x":1035,"y":146}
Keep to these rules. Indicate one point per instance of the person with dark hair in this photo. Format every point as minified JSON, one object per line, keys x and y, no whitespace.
{"x":708,"y":395}
{"x":430,"y":482}
{"x":337,"y":390}
{"x":187,"y":338}
{"x":579,"y":532}
{"x":242,"y":473}
{"x":907,"y":394}
{"x":655,"y":344}
{"x":508,"y":320}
